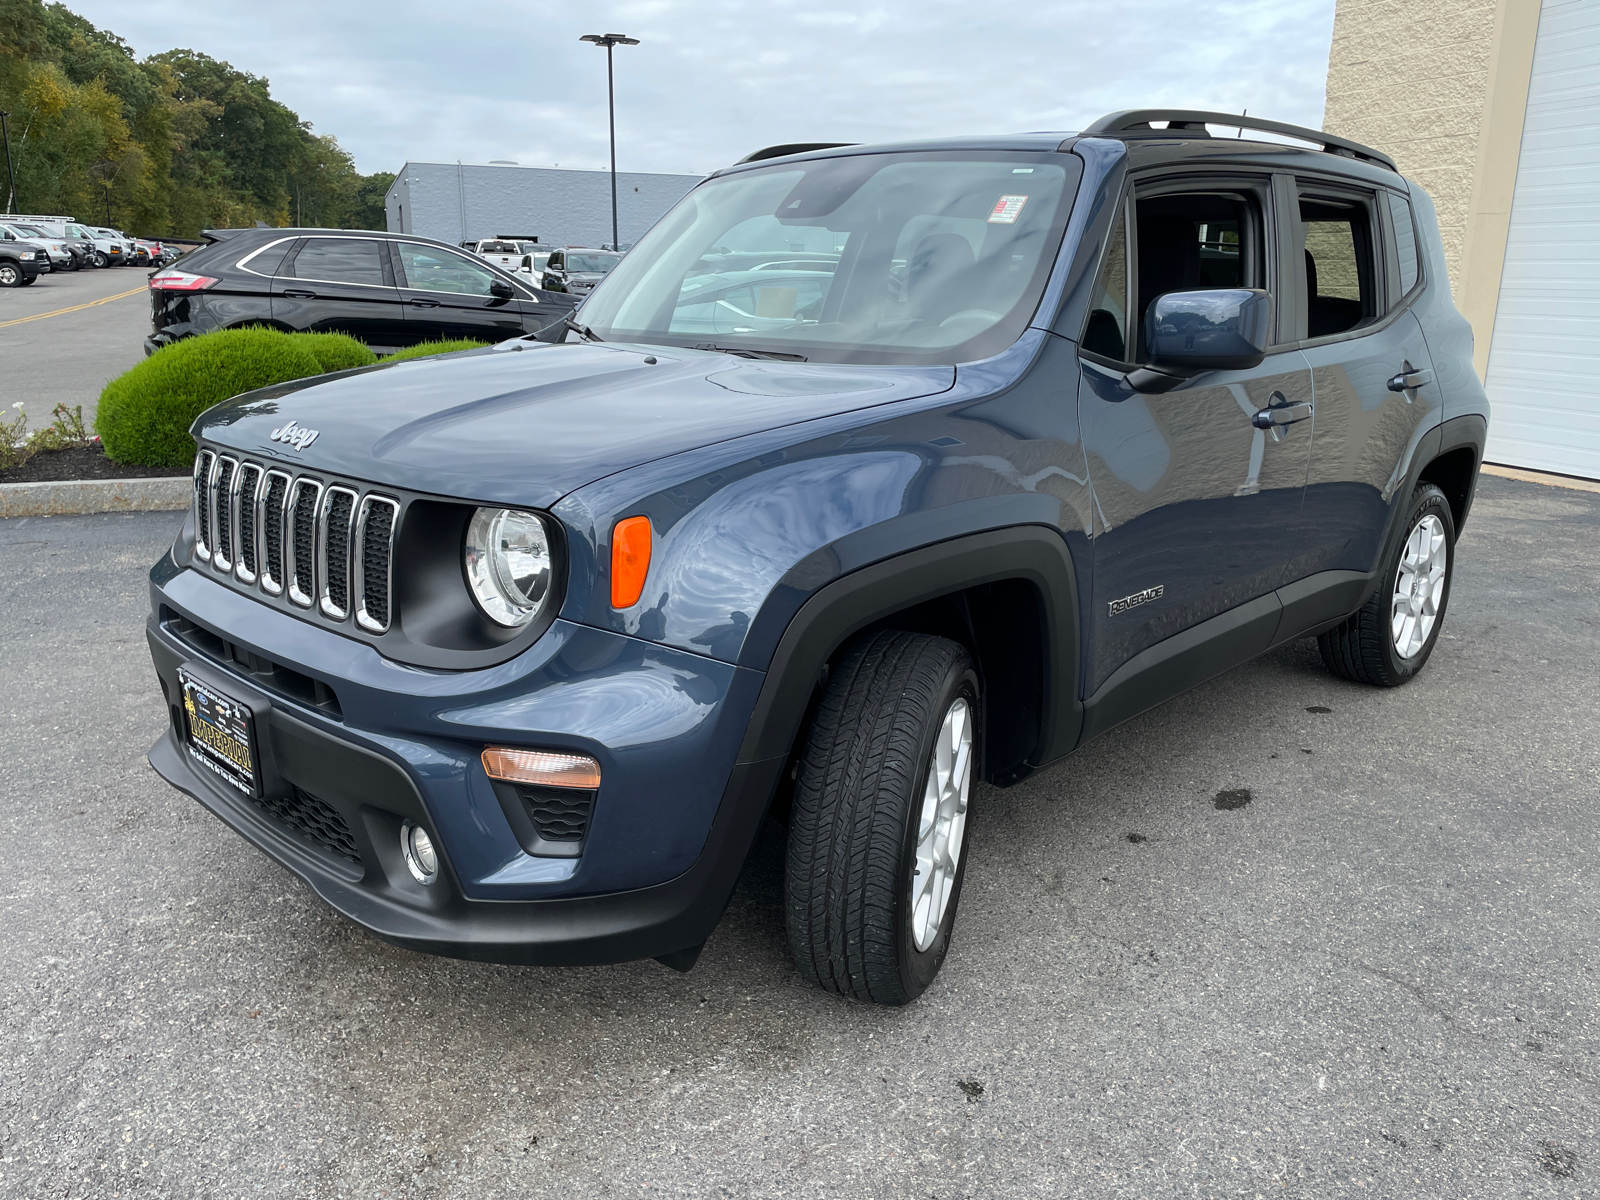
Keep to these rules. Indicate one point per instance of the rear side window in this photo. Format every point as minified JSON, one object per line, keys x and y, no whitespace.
{"x":267,"y":261}
{"x":341,"y":260}
{"x":1341,"y":281}
{"x":1405,"y":242}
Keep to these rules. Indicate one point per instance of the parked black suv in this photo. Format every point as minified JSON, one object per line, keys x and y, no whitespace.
{"x":388,"y":290}
{"x":510,"y":653}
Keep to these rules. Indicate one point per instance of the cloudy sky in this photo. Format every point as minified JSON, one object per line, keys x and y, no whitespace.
{"x":714,"y":79}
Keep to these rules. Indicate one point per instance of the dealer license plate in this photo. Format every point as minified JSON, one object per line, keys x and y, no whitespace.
{"x":221,"y":738}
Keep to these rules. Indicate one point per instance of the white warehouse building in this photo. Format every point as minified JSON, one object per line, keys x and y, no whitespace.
{"x":457,"y":202}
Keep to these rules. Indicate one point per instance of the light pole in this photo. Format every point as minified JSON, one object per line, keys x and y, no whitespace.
{"x":11,"y":175}
{"x":608,"y":40}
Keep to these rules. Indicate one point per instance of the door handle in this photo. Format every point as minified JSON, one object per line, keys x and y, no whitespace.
{"x":1279,"y":412}
{"x":417,"y":303}
{"x":300,"y":295}
{"x":1410,"y":379}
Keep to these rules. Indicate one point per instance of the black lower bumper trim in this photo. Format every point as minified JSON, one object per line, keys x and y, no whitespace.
{"x":652,"y":922}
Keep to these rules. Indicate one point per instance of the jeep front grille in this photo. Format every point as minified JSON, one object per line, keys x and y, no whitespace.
{"x":328,"y":545}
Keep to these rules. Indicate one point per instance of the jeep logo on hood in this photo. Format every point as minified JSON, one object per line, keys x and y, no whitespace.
{"x":294,"y":435}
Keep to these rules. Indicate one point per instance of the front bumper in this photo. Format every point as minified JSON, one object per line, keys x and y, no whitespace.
{"x":671,"y":828}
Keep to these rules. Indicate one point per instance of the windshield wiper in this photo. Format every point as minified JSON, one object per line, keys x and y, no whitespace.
{"x":741,"y":352}
{"x":582,"y":331}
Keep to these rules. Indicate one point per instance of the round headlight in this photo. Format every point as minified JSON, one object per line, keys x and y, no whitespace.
{"x":508,"y":564}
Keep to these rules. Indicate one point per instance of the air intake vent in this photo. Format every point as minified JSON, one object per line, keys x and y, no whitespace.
{"x":204,"y":463}
{"x":272,"y":522}
{"x":222,"y":514}
{"x":302,"y":541}
{"x":246,"y":566}
{"x":333,"y":534}
{"x":375,"y":576}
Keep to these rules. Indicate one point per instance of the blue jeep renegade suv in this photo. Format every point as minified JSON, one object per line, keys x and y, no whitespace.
{"x":869,"y":474}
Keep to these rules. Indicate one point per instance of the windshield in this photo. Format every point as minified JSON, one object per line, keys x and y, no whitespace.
{"x":930,"y":257}
{"x":30,"y":231}
{"x":591,"y":264}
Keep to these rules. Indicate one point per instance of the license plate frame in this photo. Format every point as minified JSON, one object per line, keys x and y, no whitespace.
{"x":220,"y":733}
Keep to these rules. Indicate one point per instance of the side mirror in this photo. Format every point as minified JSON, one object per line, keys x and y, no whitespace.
{"x":1222,"y":330}
{"x":499,"y":287}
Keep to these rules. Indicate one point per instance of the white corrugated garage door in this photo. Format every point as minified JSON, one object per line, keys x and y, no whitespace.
{"x":1544,"y":359}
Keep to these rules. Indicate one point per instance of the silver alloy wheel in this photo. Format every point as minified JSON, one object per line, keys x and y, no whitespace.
{"x":943,"y":823}
{"x":1419,"y":586}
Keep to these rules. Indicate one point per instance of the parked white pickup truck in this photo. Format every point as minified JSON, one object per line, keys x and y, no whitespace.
{"x":505,"y":253}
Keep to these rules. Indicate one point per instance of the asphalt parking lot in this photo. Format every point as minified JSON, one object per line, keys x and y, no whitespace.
{"x":68,"y":333}
{"x":1376,"y":978}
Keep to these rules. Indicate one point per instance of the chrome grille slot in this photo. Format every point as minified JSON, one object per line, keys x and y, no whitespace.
{"x":222,"y":514}
{"x":333,"y":550}
{"x":203,"y":463}
{"x":270,"y":516}
{"x":375,"y":530}
{"x":300,"y":541}
{"x":247,"y":551}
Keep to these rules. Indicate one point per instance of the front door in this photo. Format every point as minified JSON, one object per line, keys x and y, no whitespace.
{"x":447,"y":295}
{"x":1196,"y":491}
{"x":339,"y":285}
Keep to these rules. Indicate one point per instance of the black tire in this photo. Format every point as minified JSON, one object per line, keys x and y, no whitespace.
{"x":100,"y":260}
{"x":1363,"y":648}
{"x":28,"y":279}
{"x":854,"y":819}
{"x":10,"y":275}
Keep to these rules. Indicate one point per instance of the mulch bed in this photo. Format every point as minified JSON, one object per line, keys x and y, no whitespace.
{"x":86,"y":462}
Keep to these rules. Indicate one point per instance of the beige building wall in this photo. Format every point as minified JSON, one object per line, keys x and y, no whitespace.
{"x":1441,"y":86}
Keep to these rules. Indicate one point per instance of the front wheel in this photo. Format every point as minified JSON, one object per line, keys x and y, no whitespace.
{"x":877,"y":832}
{"x":1388,"y":640}
{"x":10,"y":275}
{"x":100,"y":260}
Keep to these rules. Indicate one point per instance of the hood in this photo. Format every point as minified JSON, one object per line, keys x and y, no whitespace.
{"x":528,"y":427}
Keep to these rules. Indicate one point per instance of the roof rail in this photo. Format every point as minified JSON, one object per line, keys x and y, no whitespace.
{"x":790,"y":148}
{"x":1137,"y":121}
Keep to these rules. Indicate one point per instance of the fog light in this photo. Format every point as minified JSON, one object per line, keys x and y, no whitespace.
{"x":421,"y":859}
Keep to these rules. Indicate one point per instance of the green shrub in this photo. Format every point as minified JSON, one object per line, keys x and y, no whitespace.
{"x":428,"y":349}
{"x":145,"y":413}
{"x":335,"y":351}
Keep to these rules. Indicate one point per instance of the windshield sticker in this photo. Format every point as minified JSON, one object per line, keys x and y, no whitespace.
{"x":1007,"y":209}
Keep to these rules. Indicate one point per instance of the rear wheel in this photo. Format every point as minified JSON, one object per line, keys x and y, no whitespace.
{"x":1390,"y":637}
{"x":877,"y":833}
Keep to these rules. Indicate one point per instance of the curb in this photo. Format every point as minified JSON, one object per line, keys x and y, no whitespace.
{"x":1544,"y":477}
{"x":61,"y":498}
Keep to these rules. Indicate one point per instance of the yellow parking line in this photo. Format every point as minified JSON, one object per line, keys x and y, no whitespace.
{"x":75,"y":308}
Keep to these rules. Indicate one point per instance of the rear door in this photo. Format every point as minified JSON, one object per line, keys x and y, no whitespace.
{"x":1197,"y":491}
{"x":1372,"y":375}
{"x":330,"y":284}
{"x":449,"y":295}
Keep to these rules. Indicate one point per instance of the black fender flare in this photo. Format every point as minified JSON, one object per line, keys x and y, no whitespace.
{"x":1035,"y":554}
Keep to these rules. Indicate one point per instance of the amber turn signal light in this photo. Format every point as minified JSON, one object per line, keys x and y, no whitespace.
{"x":630,"y":560}
{"x":544,"y":767}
